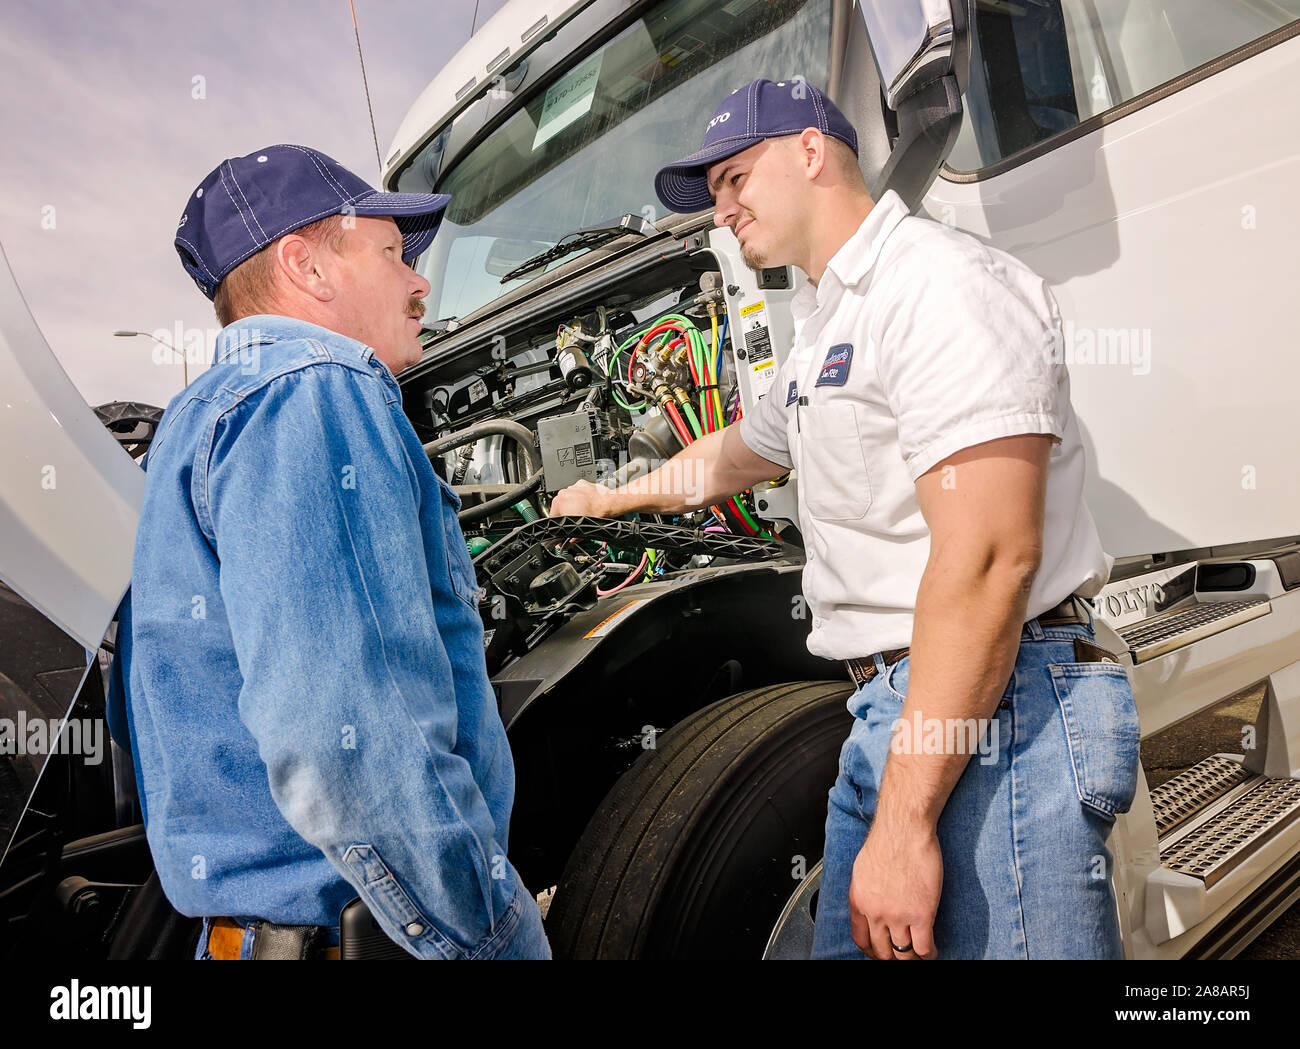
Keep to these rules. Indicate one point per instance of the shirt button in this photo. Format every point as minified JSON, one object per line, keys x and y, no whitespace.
{"x":414,"y":929}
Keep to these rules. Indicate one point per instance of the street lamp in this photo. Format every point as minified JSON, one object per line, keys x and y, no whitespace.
{"x":161,"y":342}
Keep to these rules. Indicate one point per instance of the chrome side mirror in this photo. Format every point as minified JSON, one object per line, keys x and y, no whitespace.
{"x":911,"y":41}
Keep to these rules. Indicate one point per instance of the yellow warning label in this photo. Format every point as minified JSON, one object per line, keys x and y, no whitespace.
{"x":610,"y":622}
{"x":753,"y":307}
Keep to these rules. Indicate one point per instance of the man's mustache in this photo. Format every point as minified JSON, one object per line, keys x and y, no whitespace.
{"x":415,"y":308}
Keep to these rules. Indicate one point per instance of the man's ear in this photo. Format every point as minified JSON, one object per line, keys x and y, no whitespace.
{"x":300,"y":262}
{"x":812,"y":152}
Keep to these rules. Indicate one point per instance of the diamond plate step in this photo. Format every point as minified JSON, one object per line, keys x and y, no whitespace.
{"x":1214,"y":848}
{"x":1170,"y":630}
{"x":1178,"y":799}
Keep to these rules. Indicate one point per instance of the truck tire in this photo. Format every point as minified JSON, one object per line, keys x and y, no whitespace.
{"x":696,"y":849}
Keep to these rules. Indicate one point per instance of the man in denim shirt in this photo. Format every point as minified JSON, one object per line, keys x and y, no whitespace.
{"x":299,"y":663}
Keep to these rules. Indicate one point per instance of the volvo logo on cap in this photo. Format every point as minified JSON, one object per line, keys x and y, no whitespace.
{"x":721,"y":118}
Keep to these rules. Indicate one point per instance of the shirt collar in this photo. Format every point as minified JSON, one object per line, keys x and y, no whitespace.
{"x":265,"y":328}
{"x":859,"y":253}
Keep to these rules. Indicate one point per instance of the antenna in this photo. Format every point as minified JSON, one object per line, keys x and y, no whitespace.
{"x":369,"y":108}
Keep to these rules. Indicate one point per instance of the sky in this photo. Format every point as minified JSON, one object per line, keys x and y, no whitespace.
{"x":107,"y":131}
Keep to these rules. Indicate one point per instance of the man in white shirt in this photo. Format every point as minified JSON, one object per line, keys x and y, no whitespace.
{"x":940,"y":477}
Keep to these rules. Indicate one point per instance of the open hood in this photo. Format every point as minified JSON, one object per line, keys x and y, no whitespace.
{"x":69,"y":495}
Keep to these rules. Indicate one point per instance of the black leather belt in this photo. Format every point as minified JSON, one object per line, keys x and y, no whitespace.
{"x":271,"y":942}
{"x":1067,"y":612}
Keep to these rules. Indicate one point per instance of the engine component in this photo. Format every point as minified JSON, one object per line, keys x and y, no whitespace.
{"x":622,"y":533}
{"x":507,"y":428}
{"x":569,"y":450}
{"x":574,"y":367}
{"x":653,"y":441}
{"x":554,"y":584}
{"x":472,"y":398}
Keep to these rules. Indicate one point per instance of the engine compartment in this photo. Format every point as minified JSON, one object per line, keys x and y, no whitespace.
{"x":603,"y":384}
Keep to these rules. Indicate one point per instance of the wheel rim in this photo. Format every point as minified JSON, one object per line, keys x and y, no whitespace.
{"x":792,"y":935}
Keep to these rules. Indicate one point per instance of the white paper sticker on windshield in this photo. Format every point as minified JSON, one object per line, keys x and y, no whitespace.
{"x":568,"y":99}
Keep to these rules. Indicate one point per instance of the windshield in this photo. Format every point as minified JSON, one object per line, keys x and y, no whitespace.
{"x":586,"y":147}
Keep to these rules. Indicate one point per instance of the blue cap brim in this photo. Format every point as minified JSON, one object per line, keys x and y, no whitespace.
{"x":418,"y":216}
{"x":683,"y":185}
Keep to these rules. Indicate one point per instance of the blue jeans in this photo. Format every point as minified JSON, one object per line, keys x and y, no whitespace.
{"x":1026,"y":870}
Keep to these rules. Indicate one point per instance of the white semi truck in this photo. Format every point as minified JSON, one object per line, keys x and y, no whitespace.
{"x":674,"y":740}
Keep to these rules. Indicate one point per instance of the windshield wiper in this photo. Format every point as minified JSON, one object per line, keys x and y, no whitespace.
{"x":580,"y":240}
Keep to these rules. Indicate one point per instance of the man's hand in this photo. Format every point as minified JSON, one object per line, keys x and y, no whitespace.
{"x":894,"y":893}
{"x":581,"y":499}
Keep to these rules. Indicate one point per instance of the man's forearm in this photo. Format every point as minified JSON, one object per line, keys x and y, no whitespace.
{"x":688,"y":481}
{"x":965,"y":638}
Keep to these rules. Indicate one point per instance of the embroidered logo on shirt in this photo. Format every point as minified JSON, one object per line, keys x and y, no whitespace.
{"x":793,"y":394}
{"x":835,"y":369}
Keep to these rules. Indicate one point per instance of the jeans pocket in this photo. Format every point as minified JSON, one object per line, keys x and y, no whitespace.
{"x":1101,"y":730}
{"x":896,"y":675}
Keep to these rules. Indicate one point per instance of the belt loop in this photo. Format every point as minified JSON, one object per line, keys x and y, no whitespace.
{"x":202,"y":948}
{"x":879,"y":660}
{"x":1035,"y":629}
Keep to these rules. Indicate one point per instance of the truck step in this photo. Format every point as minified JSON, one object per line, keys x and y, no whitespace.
{"x":1176,"y":628}
{"x":1213,"y":848}
{"x":1177,"y":800}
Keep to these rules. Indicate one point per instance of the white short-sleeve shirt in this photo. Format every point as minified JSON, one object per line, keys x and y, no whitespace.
{"x":918,"y":341}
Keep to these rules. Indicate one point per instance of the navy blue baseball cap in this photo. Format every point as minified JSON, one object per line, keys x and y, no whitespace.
{"x":248,"y":202}
{"x":763,"y":109}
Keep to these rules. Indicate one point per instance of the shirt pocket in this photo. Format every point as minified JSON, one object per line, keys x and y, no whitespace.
{"x":460,"y":568}
{"x":834,"y":484}
{"x":1101,"y":730}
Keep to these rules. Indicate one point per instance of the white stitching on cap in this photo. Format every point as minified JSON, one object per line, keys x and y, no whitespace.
{"x":421,"y":240}
{"x":729,"y":138}
{"x":245,"y":199}
{"x":299,"y":223}
{"x":323,"y":172}
{"x":198,"y":259}
{"x":388,"y":207}
{"x":750,"y":98}
{"x":680,"y":187}
{"x":296,"y":224}
{"x":825,"y":125}
{"x":222,"y":171}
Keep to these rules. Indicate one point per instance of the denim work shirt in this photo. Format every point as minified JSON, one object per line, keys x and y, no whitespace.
{"x":299,"y":664}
